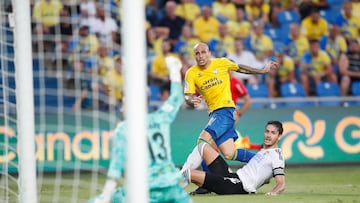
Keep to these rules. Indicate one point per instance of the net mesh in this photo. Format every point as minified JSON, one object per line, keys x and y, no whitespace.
{"x":74,"y":115}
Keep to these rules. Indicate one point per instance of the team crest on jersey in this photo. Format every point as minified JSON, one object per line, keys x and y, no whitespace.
{"x":199,"y":75}
{"x":215,"y":71}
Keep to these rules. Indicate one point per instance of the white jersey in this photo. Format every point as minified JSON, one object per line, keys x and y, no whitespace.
{"x":267,"y":163}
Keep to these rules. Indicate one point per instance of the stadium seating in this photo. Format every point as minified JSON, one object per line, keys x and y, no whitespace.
{"x":154,"y":91}
{"x":355,"y":88}
{"x":258,"y":91}
{"x":294,"y":90}
{"x":202,"y":3}
{"x":326,"y":89}
{"x":286,"y":18}
{"x":274,"y":33}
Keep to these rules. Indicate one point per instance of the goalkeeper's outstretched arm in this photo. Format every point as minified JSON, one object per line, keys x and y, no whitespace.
{"x":172,"y":105}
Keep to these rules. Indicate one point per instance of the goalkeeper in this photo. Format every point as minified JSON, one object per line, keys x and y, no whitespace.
{"x":164,"y":177}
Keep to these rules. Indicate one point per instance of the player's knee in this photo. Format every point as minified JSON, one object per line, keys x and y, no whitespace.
{"x":228,"y":156}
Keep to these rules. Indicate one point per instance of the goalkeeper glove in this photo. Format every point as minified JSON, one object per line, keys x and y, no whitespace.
{"x":174,"y":65}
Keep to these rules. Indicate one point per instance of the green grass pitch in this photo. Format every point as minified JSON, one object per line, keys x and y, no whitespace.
{"x":327,"y":184}
{"x":318,"y":184}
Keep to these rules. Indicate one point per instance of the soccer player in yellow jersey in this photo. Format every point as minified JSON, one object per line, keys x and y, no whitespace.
{"x":211,"y":78}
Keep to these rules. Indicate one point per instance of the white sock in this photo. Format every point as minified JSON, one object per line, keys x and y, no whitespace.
{"x":194,"y":159}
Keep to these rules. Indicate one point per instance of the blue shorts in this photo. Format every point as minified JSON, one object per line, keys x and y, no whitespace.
{"x":221,"y":125}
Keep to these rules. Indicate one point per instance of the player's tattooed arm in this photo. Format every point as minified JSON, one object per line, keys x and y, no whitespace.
{"x":250,"y":70}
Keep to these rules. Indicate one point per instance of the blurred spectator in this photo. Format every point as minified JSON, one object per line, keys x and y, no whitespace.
{"x":276,"y":3}
{"x":241,"y":56}
{"x":154,"y":40}
{"x":87,"y":8}
{"x":290,"y":5}
{"x":275,"y":8}
{"x":188,"y":10}
{"x":151,"y":12}
{"x":159,"y":73}
{"x":113,"y":84}
{"x":334,"y":44}
{"x":349,"y":65}
{"x":83,"y":46}
{"x":206,"y":26}
{"x":240,"y":3}
{"x":222,"y":46}
{"x":257,"y":10}
{"x":356,"y":8}
{"x":296,"y":43}
{"x":83,"y":80}
{"x":314,"y":26}
{"x":172,"y":22}
{"x":239,"y":27}
{"x":224,"y":10}
{"x":106,"y":29}
{"x":349,"y":24}
{"x":316,"y":65}
{"x":306,"y":6}
{"x":88,"y":14}
{"x":105,"y":63}
{"x":238,"y":91}
{"x":66,"y":27}
{"x":285,"y":73}
{"x":185,"y":46}
{"x":46,"y":17}
{"x":46,"y":14}
{"x":66,"y":30}
{"x":260,"y":43}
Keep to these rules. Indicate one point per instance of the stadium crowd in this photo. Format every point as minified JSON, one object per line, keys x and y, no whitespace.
{"x":314,"y":41}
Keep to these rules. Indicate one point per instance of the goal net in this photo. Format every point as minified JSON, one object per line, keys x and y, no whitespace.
{"x":77,"y":105}
{"x":8,"y":138}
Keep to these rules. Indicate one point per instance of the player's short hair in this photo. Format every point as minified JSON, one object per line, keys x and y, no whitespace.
{"x":278,"y":125}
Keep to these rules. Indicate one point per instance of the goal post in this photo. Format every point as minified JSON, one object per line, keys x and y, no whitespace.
{"x":25,"y":102}
{"x":51,"y":148}
{"x":133,"y":33}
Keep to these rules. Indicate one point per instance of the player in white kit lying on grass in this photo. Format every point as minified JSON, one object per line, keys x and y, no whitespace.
{"x":266,"y":163}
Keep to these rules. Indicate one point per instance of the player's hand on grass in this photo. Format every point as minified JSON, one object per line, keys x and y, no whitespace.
{"x":271,"y":194}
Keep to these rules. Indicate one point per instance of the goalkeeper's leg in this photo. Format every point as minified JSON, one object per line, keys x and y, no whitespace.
{"x":117,"y":197}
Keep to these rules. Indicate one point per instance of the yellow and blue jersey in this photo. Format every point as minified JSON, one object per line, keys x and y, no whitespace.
{"x":314,"y":30}
{"x":213,"y":83}
{"x":297,"y":47}
{"x":48,"y":13}
{"x":334,"y":47}
{"x":316,"y":64}
{"x":286,"y":67}
{"x":349,"y":26}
